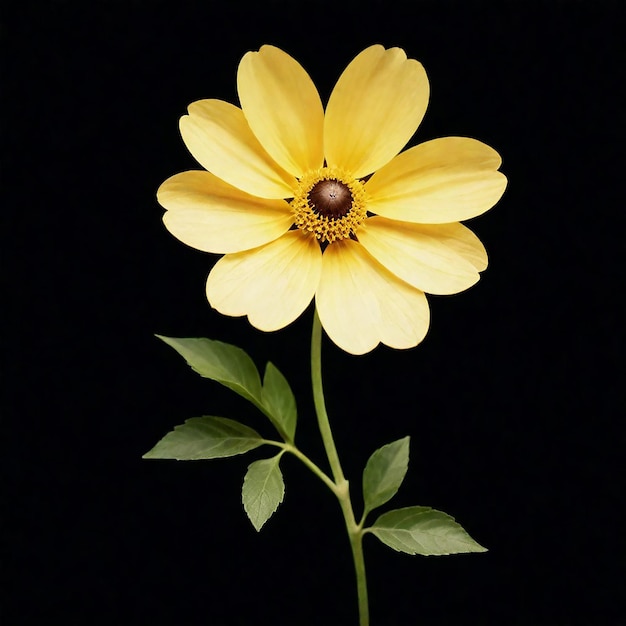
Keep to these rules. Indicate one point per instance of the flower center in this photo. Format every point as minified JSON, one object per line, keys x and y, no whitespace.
{"x":329,"y":203}
{"x":330,"y":198}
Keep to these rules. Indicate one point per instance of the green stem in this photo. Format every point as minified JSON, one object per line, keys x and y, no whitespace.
{"x":342,"y":488}
{"x":320,"y":405}
{"x":291,"y":448}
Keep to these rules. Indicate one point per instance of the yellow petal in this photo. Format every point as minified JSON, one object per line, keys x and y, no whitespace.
{"x":416,"y":254}
{"x":208,"y":214}
{"x":219,"y":138}
{"x":374,"y":109}
{"x":272,"y":284}
{"x":440,"y":181}
{"x":283,"y":108}
{"x":460,"y":239}
{"x":360,"y":303}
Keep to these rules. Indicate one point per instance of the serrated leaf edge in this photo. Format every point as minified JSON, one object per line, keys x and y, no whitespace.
{"x":441,"y":515}
{"x":369,"y":506}
{"x":282,"y":493}
{"x":252,"y":395}
{"x":266,"y":408}
{"x":254,"y":436}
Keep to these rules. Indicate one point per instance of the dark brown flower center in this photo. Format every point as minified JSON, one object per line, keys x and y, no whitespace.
{"x":330,"y":198}
{"x":329,"y":203}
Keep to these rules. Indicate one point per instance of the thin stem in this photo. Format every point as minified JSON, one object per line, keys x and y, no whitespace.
{"x":313,"y":467}
{"x":342,"y":488}
{"x":356,"y":543}
{"x":320,"y":405}
{"x":289,"y":447}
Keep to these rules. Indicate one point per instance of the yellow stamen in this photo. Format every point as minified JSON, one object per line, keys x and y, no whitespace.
{"x":329,"y":203}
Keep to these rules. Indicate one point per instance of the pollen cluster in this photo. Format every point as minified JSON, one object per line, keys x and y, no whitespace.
{"x":329,"y":203}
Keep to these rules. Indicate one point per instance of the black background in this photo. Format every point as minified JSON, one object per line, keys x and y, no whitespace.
{"x":514,"y":401}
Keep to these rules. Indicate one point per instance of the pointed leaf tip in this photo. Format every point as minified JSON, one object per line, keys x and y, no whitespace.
{"x":227,"y":364}
{"x":263,"y":490}
{"x":425,"y":531}
{"x":279,"y":401}
{"x":205,"y":437}
{"x":384,"y":473}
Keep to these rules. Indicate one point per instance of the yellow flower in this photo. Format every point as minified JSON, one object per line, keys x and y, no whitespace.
{"x":309,"y":203}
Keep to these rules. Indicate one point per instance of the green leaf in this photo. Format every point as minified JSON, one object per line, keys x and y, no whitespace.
{"x":384,"y":473}
{"x":206,"y":438}
{"x":263,"y":490}
{"x":422,"y":530}
{"x":222,"y":362}
{"x":279,"y":402}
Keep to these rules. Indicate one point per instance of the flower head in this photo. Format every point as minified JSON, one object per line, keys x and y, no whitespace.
{"x":310,"y":203}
